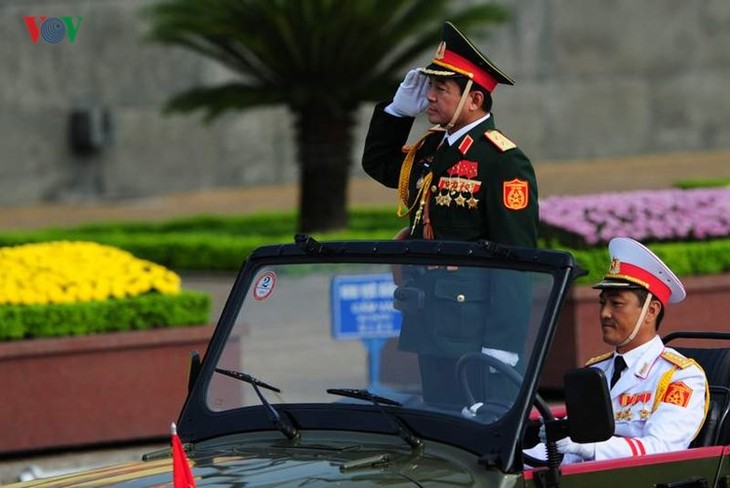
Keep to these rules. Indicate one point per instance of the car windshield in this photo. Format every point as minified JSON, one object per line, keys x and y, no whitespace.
{"x":450,"y":339}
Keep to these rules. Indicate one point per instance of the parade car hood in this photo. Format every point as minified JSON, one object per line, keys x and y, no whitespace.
{"x":330,"y":459}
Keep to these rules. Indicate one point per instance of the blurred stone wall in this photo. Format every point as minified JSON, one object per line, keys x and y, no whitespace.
{"x":595,"y":78}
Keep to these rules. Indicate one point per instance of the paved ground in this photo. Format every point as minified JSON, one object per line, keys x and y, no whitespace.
{"x":655,"y":171}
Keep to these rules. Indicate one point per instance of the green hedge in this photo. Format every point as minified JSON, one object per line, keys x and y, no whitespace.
{"x":684,"y":258}
{"x":73,"y":319}
{"x":223,"y":242}
{"x":709,"y":183}
{"x":208,"y":242}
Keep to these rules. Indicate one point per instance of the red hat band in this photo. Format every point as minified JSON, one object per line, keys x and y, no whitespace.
{"x":640,"y":276}
{"x":461,"y":65}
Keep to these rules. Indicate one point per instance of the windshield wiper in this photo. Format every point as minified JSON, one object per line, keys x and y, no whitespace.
{"x":280,"y":422}
{"x":403,"y":431}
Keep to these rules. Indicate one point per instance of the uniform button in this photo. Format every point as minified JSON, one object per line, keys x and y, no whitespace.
{"x":433,"y":188}
{"x":460,"y":298}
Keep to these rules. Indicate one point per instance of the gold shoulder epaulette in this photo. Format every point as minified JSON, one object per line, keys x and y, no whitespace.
{"x":598,"y":359}
{"x":677,"y":359}
{"x":499,"y":140}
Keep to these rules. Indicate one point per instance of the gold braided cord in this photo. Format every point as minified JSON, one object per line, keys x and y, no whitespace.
{"x":632,"y":279}
{"x":405,"y":173}
{"x":427,"y":227}
{"x":707,"y":400}
{"x":405,"y":176}
{"x":661,"y":390}
{"x":424,"y":191}
{"x":453,"y":68}
{"x":420,"y":199}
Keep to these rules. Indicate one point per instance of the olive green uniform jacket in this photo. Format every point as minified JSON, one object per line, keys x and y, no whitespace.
{"x":481,"y":189}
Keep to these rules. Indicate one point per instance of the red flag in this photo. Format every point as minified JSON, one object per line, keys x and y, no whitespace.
{"x":182,"y":476}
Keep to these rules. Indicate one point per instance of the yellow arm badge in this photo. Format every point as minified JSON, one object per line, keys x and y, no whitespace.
{"x":499,"y":140}
{"x":598,"y":359}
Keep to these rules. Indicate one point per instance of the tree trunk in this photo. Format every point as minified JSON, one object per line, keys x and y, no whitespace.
{"x":324,"y":142}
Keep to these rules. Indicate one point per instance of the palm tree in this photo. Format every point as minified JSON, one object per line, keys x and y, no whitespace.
{"x":321,"y":58}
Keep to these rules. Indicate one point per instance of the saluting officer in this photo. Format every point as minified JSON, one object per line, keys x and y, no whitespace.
{"x":659,"y":396}
{"x":463,"y":180}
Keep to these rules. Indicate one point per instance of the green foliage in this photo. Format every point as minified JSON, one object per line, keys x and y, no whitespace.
{"x":74,"y":319}
{"x":209,"y":242}
{"x":306,"y":53}
{"x":222,"y":243}
{"x":708,"y":183}
{"x":684,"y":258}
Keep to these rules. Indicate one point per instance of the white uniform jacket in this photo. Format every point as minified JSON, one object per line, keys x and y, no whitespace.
{"x":659,"y":403}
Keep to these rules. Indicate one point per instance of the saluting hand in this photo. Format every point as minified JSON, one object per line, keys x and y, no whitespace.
{"x":410,"y":99}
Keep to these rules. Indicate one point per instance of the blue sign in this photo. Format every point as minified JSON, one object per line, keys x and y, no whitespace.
{"x":362,"y":307}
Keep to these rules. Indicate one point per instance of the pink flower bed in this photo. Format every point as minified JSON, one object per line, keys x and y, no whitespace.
{"x":646,"y":215}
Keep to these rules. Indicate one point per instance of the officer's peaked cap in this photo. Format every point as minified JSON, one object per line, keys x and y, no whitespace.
{"x":456,"y":55}
{"x":633,"y":265}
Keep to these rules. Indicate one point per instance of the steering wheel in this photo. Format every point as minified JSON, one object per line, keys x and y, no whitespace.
{"x":516,"y":378}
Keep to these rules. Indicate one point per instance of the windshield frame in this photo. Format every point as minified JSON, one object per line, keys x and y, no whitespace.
{"x":495,"y":443}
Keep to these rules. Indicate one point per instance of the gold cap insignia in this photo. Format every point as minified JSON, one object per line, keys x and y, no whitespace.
{"x":440,"y":51}
{"x":615,"y":267}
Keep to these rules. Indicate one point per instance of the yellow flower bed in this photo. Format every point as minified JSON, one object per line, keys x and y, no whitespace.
{"x":68,"y":272}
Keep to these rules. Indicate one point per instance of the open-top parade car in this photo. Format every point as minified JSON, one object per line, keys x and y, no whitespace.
{"x":402,"y":363}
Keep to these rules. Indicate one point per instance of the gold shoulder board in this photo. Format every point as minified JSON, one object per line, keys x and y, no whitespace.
{"x":598,"y":359}
{"x":676,"y":359}
{"x":499,"y":140}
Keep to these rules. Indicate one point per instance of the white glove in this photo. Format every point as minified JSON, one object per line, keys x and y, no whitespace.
{"x":471,"y":412}
{"x":410,"y":99}
{"x":584,"y":451}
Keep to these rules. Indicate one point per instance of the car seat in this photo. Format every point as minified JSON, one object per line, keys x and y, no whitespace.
{"x":716,"y":363}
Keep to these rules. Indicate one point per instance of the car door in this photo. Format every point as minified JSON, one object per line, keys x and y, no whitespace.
{"x":700,"y":467}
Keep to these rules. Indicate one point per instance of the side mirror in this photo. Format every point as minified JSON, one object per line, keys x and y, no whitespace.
{"x":588,"y":404}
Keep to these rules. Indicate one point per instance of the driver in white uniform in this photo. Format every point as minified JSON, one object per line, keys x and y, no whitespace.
{"x":659,"y":397}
